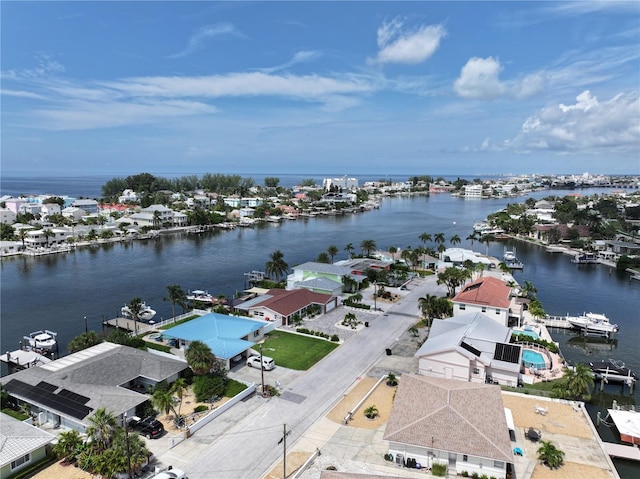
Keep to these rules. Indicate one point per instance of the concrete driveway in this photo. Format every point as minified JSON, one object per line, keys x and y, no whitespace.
{"x":247,"y":440}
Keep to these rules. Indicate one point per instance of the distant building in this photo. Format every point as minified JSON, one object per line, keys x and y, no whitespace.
{"x":473,"y":191}
{"x":341,"y":184}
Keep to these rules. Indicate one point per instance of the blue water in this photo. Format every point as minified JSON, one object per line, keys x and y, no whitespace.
{"x":57,"y":292}
{"x":533,"y":359}
{"x":530,"y":334}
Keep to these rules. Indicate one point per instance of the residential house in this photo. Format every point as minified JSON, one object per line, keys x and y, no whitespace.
{"x":158,"y":215}
{"x":229,"y":337}
{"x":73,"y":213}
{"x":458,"y":256}
{"x":21,"y":445}
{"x":129,"y":196}
{"x":460,"y":424}
{"x":321,"y":277}
{"x":38,"y":238}
{"x":15,"y":204}
{"x":340,"y":184}
{"x":7,"y":216}
{"x":281,"y":305}
{"x":67,"y":391}
{"x":540,"y":232}
{"x":472,"y":191}
{"x":50,"y":209}
{"x":90,"y":206}
{"x":487,"y":295}
{"x":470,"y":347}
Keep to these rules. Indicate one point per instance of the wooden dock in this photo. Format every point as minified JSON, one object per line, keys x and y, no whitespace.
{"x":623,"y":452}
{"x":127,"y":324}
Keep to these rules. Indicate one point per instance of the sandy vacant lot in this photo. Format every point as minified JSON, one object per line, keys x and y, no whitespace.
{"x":56,"y":471}
{"x":381,"y":398}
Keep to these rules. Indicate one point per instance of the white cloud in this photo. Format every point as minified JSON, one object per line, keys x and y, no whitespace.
{"x":587,"y":126}
{"x":299,"y":57}
{"x":205,"y":32}
{"x":479,"y":79}
{"x":399,"y":45}
{"x":21,"y":94}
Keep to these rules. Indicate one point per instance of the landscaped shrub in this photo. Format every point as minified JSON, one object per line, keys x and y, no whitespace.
{"x":207,"y":387}
{"x":335,"y":338}
{"x":464,"y":474}
{"x":200,"y":408}
{"x":475,"y":475}
{"x":439,"y":470}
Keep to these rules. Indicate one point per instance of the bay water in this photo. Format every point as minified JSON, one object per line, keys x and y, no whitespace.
{"x":57,"y":292}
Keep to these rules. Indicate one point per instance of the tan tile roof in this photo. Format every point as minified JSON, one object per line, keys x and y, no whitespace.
{"x":448,"y":415}
{"x":486,"y":291}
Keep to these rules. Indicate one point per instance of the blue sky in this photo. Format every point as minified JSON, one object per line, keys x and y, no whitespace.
{"x":436,"y":88}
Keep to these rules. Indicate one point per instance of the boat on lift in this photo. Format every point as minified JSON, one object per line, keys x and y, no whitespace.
{"x":42,"y":340}
{"x":201,"y":296}
{"x":593,"y":323}
{"x":146,"y":313}
{"x":511,"y":260}
{"x":613,"y":370}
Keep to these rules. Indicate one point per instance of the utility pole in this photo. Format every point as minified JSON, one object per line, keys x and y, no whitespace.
{"x":126,"y":437}
{"x":262,"y":370}
{"x":283,"y":440}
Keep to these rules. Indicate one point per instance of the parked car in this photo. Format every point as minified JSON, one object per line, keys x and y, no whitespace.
{"x":149,"y":427}
{"x":267,"y":363}
{"x":171,"y":473}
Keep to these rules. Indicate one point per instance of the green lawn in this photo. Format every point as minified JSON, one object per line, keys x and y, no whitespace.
{"x":294,"y":351}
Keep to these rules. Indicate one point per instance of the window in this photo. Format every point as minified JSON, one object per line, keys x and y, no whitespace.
{"x":463,"y":307}
{"x":256,"y":333}
{"x":498,"y":464}
{"x":476,"y":371}
{"x":497,"y":311}
{"x":465,"y":458}
{"x":20,"y":461}
{"x":484,"y":309}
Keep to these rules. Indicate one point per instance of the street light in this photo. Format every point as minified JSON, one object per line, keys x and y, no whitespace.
{"x":262,"y":368}
{"x":86,"y":329}
{"x":126,"y":438}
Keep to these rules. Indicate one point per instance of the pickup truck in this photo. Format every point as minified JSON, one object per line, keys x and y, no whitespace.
{"x":149,"y":427}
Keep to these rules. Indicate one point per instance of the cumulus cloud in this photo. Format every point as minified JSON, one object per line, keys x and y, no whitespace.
{"x":204,"y":33}
{"x":400,"y":44}
{"x":480,"y":79}
{"x":586,"y":126}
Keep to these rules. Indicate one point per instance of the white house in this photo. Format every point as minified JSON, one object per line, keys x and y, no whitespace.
{"x":90,"y":206}
{"x":470,"y":347}
{"x":472,"y":191}
{"x":7,"y":216}
{"x":459,"y":424}
{"x":344,"y":184}
{"x":21,"y":445}
{"x":487,"y":295}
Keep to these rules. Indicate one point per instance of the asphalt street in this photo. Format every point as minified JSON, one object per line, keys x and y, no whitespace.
{"x":247,"y":440}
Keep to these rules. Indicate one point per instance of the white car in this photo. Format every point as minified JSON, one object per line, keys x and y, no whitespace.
{"x":171,"y":473}
{"x":267,"y":363}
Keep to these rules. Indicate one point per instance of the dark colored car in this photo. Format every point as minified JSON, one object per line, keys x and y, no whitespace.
{"x":149,"y":427}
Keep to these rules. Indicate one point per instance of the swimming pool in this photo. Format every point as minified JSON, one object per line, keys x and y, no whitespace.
{"x":533,"y":359}
{"x":530,"y":334}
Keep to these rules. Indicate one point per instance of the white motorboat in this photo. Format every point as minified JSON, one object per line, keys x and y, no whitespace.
{"x":44,"y":340}
{"x":593,"y":323}
{"x":201,"y":296}
{"x":146,"y":313}
{"x":511,"y":260}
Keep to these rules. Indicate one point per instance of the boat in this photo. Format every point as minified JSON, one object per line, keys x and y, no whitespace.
{"x":511,"y":260}
{"x":42,"y":340}
{"x":201,"y":296}
{"x":627,"y":421}
{"x":585,"y":258}
{"x":613,"y":370}
{"x":146,"y":313}
{"x":593,"y":323}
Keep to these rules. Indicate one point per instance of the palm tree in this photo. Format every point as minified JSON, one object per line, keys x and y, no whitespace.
{"x":47,"y":233}
{"x":163,"y":401}
{"x":323,"y":258}
{"x":135,"y":309}
{"x":176,"y":296}
{"x":68,"y":446}
{"x":179,"y":387}
{"x":102,"y":429}
{"x":199,"y":357}
{"x":393,"y":250}
{"x":22,"y":235}
{"x":333,"y":251}
{"x":371,"y":412}
{"x":550,"y":455}
{"x":529,"y":290}
{"x":439,"y":238}
{"x":425,"y":237}
{"x":157,"y":219}
{"x":578,"y":382}
{"x":473,"y":237}
{"x":349,"y":249}
{"x":455,"y":239}
{"x":276,"y":266}
{"x":368,"y":246}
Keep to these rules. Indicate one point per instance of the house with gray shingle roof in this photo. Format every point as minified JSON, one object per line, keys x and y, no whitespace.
{"x":324,"y":277}
{"x":460,"y":424}
{"x":65,"y":392}
{"x":21,"y":445}
{"x":470,"y":347}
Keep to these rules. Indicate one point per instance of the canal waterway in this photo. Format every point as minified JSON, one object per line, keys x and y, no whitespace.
{"x":57,"y":292}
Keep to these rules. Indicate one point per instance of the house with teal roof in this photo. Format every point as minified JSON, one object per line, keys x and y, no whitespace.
{"x":228,"y":337}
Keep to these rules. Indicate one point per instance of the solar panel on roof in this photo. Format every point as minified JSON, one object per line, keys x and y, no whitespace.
{"x":509,"y":353}
{"x":70,"y":406}
{"x":470,"y":348}
{"x":65,"y":393}
{"x":46,"y":386}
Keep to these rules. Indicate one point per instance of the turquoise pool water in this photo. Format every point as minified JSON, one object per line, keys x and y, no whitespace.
{"x":533,"y":359}
{"x":530,"y":334}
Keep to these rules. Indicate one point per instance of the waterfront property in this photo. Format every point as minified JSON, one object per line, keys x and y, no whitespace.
{"x":228,"y":337}
{"x":21,"y":445}
{"x":459,"y":424}
{"x":65,"y":392}
{"x":470,"y":347}
{"x":490,"y":296}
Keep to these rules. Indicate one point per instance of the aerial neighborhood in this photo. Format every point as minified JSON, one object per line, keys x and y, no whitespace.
{"x":456,"y":373}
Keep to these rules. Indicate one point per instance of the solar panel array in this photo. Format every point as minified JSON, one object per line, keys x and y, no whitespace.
{"x":471,"y":349}
{"x":65,"y":402}
{"x":509,"y":353}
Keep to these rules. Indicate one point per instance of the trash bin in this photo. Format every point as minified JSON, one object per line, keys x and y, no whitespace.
{"x":388,"y":352}
{"x":366,"y":324}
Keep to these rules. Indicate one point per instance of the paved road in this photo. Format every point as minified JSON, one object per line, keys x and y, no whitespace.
{"x":246,"y":441}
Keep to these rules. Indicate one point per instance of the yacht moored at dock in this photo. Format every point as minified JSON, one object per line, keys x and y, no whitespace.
{"x":511,"y":260}
{"x":42,"y":340}
{"x":146,"y":313}
{"x":593,"y":323}
{"x":202,"y":296}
